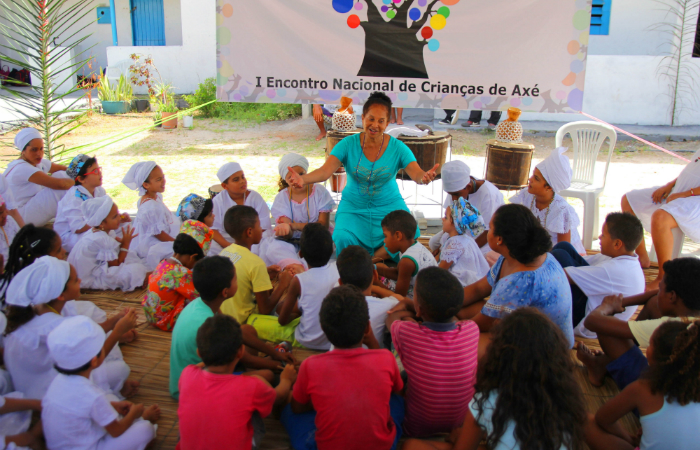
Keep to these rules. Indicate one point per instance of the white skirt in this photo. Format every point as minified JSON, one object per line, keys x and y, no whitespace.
{"x":686,"y":211}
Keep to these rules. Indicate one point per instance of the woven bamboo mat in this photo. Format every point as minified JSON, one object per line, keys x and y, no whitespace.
{"x":149,"y":359}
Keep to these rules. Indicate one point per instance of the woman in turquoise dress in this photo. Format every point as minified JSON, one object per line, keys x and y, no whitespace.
{"x":371,"y":160}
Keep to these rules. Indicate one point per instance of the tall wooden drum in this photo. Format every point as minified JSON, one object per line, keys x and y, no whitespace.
{"x":339,"y":178}
{"x":428,"y":150}
{"x":508,"y":164}
{"x":214,"y":190}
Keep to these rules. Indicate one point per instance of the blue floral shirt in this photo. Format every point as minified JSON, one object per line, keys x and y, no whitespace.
{"x":546,"y":289}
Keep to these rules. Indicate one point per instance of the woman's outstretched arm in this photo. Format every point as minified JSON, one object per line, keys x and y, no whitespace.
{"x":317,"y":176}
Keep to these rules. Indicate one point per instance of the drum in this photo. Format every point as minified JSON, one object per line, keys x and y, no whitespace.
{"x":217,"y":188}
{"x":335,"y":136}
{"x":508,"y":164}
{"x":338,"y":180}
{"x":428,"y":150}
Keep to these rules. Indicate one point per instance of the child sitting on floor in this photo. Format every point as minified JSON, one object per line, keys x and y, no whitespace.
{"x":155,"y":224}
{"x":255,"y":294}
{"x":615,"y":270}
{"x":304,"y":296}
{"x":459,"y":252}
{"x":218,"y":407}
{"x":8,"y":230}
{"x":550,"y":176}
{"x":102,"y":261}
{"x":355,"y":268}
{"x":439,"y":355}
{"x":526,"y":393}
{"x":399,"y":228}
{"x":346,"y":398}
{"x":292,"y":210}
{"x":215,"y":279}
{"x":197,"y":208}
{"x":667,"y":397}
{"x":70,"y":221}
{"x":37,"y":297}
{"x":677,"y":299}
{"x":15,"y":418}
{"x":76,"y":412}
{"x":170,"y":286}
{"x":235,"y":192}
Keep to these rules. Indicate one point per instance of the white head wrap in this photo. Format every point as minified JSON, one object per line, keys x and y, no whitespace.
{"x":455,"y":176}
{"x":227,"y":170}
{"x":96,"y":210}
{"x":292,"y":160}
{"x":74,"y":342}
{"x":40,"y":282}
{"x":25,"y":136}
{"x":556,"y":170}
{"x":137,"y":175}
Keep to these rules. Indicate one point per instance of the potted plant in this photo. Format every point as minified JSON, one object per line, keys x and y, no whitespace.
{"x":167,"y":110}
{"x":157,"y":117}
{"x":115,"y":99}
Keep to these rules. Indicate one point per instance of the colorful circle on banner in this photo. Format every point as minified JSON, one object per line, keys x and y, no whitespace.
{"x":358,"y":6}
{"x":573,"y":47}
{"x":342,"y":6}
{"x":281,"y":92}
{"x":227,"y":10}
{"x":397,"y":1}
{"x":450,"y":2}
{"x":414,"y":14}
{"x":353,"y":21}
{"x":561,"y":95}
{"x":386,"y":2}
{"x":527,"y":101}
{"x":438,"y":22}
{"x":575,"y":100}
{"x":426,"y":32}
{"x":569,"y":80}
{"x":477,"y":105}
{"x":444,"y":11}
{"x":223,"y":36}
{"x":515,"y":102}
{"x":329,"y":95}
{"x":224,"y":50}
{"x":243,"y":90}
{"x":422,"y":2}
{"x":433,"y":45}
{"x":391,"y":14}
{"x":237,"y":97}
{"x":385,"y":8}
{"x":576,"y":66}
{"x":582,"y":19}
{"x":271,"y":93}
{"x":402,"y":96}
{"x":218,"y":64}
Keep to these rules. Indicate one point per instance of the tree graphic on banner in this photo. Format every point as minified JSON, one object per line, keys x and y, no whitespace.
{"x":393,"y":47}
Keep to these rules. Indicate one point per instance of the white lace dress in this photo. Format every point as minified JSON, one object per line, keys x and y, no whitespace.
{"x":69,"y":215}
{"x":468,"y":263}
{"x":90,"y":257}
{"x":558,"y":218}
{"x":153,"y":218}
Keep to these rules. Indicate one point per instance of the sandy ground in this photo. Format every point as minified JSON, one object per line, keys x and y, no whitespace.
{"x":190,"y":158}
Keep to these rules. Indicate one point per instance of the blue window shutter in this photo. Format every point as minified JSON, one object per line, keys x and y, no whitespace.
{"x":147,"y":20}
{"x":600,"y":17}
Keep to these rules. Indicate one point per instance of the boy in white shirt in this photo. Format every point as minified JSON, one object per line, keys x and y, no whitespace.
{"x":615,"y":270}
{"x":355,"y":268}
{"x":78,"y":415}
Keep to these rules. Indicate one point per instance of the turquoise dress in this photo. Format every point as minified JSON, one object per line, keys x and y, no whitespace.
{"x":370,"y":194}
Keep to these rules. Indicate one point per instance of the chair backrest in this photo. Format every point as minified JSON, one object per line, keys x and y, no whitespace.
{"x":588,"y":138}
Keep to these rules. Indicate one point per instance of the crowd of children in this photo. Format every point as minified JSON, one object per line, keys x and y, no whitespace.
{"x":470,"y":337}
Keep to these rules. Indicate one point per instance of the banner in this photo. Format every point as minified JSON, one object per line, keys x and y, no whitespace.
{"x":452,"y":54}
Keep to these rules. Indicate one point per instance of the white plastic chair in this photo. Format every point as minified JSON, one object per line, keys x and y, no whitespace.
{"x":678,"y":241}
{"x":587,"y":138}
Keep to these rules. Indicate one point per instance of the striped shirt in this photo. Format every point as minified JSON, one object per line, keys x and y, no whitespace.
{"x":440,"y":361}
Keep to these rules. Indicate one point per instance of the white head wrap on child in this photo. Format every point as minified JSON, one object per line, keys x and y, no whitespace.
{"x":74,"y":342}
{"x":96,"y":210}
{"x":25,"y":136}
{"x":137,"y":175}
{"x":455,"y":176}
{"x":556,"y":170}
{"x":292,"y":160}
{"x":40,"y":282}
{"x":227,"y":170}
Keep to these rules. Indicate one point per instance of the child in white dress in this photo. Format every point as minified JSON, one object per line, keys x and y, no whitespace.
{"x":550,"y":176}
{"x":76,"y":413}
{"x":103,"y":262}
{"x":8,"y":231}
{"x":156,"y":226}
{"x":459,"y":252}
{"x":235,"y":192}
{"x":37,"y":299}
{"x":292,"y":209}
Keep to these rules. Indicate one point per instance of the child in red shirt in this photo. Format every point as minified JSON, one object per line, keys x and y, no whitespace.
{"x":352,"y":389}
{"x":219,"y":408}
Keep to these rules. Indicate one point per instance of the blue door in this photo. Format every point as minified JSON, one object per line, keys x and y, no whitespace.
{"x":147,"y":22}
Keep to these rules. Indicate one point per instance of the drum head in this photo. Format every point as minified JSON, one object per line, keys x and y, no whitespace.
{"x":215,"y":190}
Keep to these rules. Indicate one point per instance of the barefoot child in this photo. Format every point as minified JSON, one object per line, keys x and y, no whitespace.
{"x":667,"y":397}
{"x":102,"y":261}
{"x":559,"y":218}
{"x":76,"y":412}
{"x":459,"y":252}
{"x":399,"y":228}
{"x":293,"y":209}
{"x":218,"y":407}
{"x":155,"y":224}
{"x":236,"y":192}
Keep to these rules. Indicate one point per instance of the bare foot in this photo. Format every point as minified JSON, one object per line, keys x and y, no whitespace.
{"x":131,"y":387}
{"x":321,"y":135}
{"x":652,"y":285}
{"x":392,"y":121}
{"x":399,"y":122}
{"x":594,"y":360}
{"x":645,"y":262}
{"x":152,"y":413}
{"x":128,"y":337}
